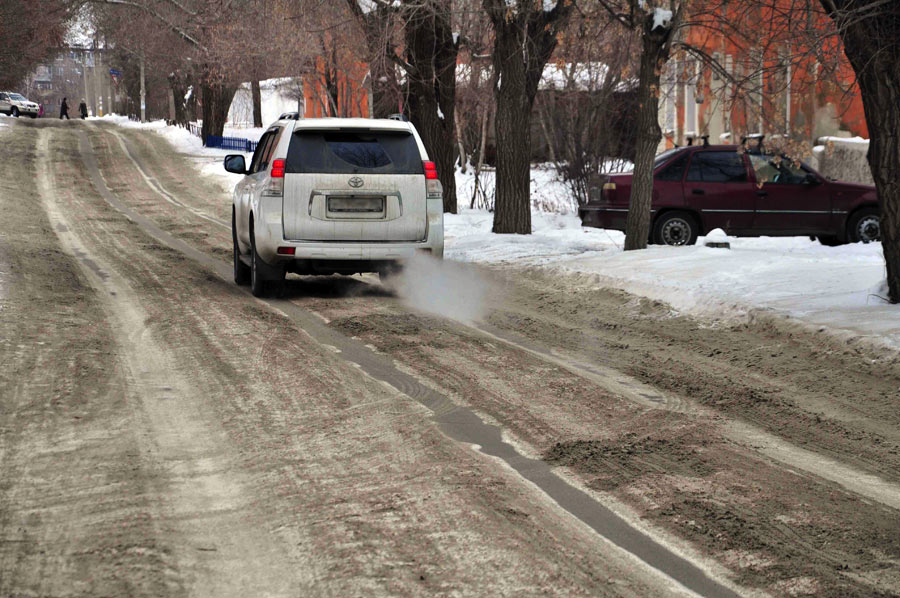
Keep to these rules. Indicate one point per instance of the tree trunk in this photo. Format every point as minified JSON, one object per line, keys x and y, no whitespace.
{"x":438,"y":136}
{"x":459,"y":140}
{"x":656,"y":43}
{"x":637,"y":227}
{"x":257,"y":103}
{"x":182,"y":116}
{"x":551,"y":151}
{"x":880,"y":88}
{"x":216,"y":98}
{"x":512,"y":126}
{"x":870,"y":43}
{"x":525,"y":35}
{"x":431,"y":56}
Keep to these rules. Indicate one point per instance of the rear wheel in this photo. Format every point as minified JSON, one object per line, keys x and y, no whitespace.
{"x":15,"y":112}
{"x":258,"y":286}
{"x":864,"y":226}
{"x":241,"y":270}
{"x":675,"y":228}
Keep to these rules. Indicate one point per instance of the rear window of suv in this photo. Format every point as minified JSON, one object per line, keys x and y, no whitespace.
{"x":354,"y":152}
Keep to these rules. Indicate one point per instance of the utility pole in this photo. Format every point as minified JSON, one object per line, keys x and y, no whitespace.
{"x":143,"y":93}
{"x":98,"y":68}
{"x":84,"y":68}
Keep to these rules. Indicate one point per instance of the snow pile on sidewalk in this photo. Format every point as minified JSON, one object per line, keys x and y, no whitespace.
{"x":835,"y":287}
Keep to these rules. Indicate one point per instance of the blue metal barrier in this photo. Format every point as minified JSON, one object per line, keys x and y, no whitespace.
{"x":231,"y":143}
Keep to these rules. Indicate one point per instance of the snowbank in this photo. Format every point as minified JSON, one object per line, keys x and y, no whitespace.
{"x":835,"y":287}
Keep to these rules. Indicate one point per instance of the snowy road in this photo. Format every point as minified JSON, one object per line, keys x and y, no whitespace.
{"x":166,"y":434}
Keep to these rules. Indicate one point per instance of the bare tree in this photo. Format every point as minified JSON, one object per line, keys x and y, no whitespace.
{"x":525,"y":36}
{"x":427,"y":57}
{"x":29,"y":31}
{"x":378,"y":22}
{"x":656,"y":22}
{"x":586,"y":102}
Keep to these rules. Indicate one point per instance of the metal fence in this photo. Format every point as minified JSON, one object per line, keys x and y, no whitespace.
{"x":231,"y":143}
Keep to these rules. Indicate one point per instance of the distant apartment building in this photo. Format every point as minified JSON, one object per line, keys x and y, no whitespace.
{"x":75,"y":73}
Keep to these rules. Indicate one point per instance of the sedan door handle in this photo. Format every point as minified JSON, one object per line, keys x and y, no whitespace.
{"x":698,"y":192}
{"x":762,"y":193}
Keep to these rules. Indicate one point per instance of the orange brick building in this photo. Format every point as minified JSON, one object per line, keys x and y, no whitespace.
{"x":775,"y":75}
{"x":337,"y":91}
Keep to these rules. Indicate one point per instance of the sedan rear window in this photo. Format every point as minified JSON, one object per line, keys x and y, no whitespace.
{"x":354,"y":152}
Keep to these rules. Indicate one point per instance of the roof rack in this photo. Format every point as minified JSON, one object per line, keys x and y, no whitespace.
{"x":705,"y":139}
{"x":290,"y":116}
{"x":400,"y":117}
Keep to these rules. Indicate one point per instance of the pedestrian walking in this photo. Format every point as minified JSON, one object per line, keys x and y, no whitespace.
{"x":41,"y":109}
{"x":64,"y":110}
{"x":82,"y":108}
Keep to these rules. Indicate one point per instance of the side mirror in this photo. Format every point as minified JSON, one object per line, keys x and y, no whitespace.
{"x":811,"y":179}
{"x":235,"y":163}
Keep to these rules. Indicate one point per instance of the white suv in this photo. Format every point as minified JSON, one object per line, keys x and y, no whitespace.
{"x":15,"y":104}
{"x":333,"y":195}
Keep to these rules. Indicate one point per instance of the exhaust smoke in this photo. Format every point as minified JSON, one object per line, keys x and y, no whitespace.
{"x":451,"y":289}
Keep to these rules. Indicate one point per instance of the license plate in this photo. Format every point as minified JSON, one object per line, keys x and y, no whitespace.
{"x":356,"y":204}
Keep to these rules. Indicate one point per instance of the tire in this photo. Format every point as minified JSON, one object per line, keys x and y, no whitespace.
{"x":675,"y":228}
{"x":258,"y":286}
{"x":829,"y":240}
{"x":864,"y":226}
{"x":241,"y":270}
{"x":14,"y":112}
{"x":33,"y":115}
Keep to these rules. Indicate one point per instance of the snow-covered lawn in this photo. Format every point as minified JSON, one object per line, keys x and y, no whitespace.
{"x":833,"y":287}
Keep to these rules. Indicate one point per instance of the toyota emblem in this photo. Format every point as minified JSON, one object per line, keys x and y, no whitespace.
{"x":355,"y":182}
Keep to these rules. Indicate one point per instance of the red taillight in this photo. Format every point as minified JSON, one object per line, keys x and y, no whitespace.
{"x":430,"y":170}
{"x":286,"y":250}
{"x":277,"y":169}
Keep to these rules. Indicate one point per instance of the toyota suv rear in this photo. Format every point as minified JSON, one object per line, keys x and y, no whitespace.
{"x":333,"y":195}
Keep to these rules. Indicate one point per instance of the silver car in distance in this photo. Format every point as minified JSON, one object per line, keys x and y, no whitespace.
{"x":333,"y":196}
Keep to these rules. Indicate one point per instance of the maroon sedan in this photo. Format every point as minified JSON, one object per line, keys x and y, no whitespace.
{"x":700,"y":188}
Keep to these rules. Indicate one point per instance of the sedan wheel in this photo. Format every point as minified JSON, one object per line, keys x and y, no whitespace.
{"x":15,"y":112}
{"x":675,"y":228}
{"x":865,"y":226}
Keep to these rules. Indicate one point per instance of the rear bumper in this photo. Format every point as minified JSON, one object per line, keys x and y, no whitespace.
{"x":369,"y":256}
{"x":609,"y":218}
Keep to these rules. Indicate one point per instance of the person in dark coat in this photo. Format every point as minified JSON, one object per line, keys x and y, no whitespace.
{"x":64,"y":110}
{"x":82,"y":108}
